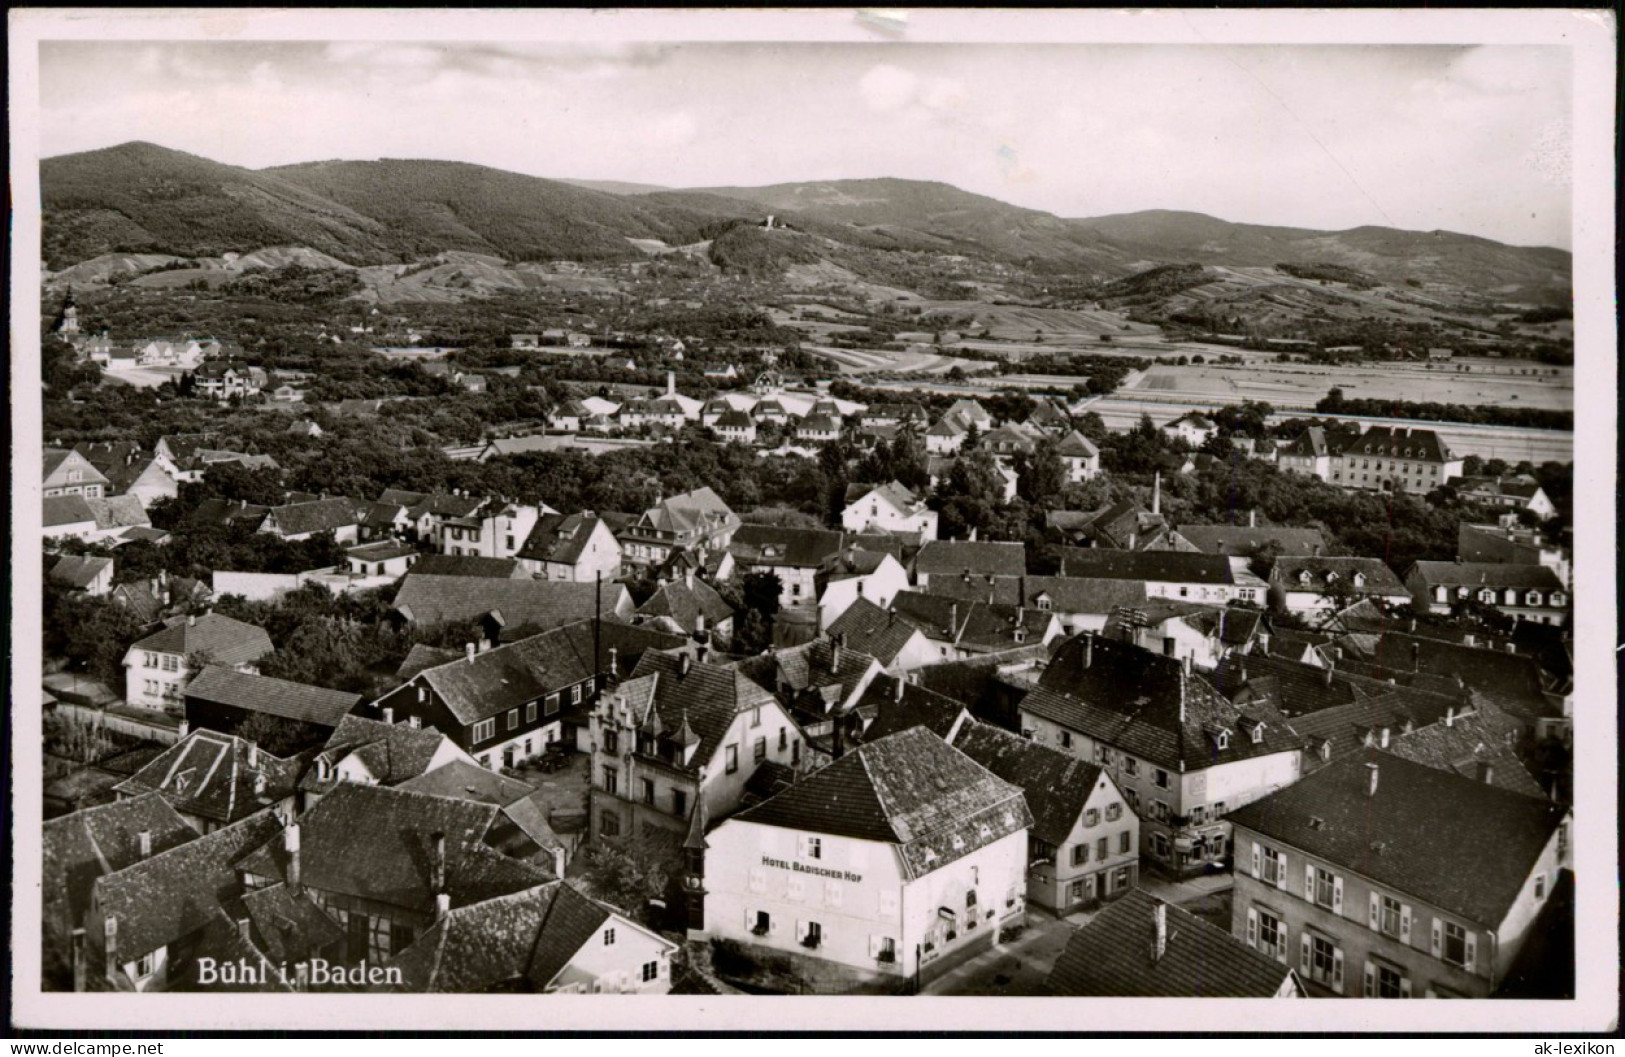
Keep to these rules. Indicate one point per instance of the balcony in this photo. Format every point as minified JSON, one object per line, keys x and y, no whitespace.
{"x":810,"y":941}
{"x":887,"y":957}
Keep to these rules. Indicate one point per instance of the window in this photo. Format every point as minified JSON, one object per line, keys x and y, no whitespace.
{"x":377,"y":938}
{"x":1540,"y":886}
{"x":1159,"y":778}
{"x":1066,"y":739}
{"x":484,"y":730}
{"x":763,"y":924}
{"x":1103,"y":847}
{"x":679,"y":803}
{"x":1455,"y":944}
{"x":513,"y":719}
{"x":1274,"y":866}
{"x":609,"y":937}
{"x":759,"y":750}
{"x":1080,"y":854}
{"x":1125,"y":841}
{"x":551,"y":705}
{"x":611,"y":780}
{"x":530,"y":712}
{"x":1132,"y":798}
{"x":575,"y":694}
{"x":650,"y":971}
{"x":1131,"y":766}
{"x":1159,"y":845}
{"x":1091,"y":817}
{"x":1218,"y":808}
{"x":1389,"y":915}
{"x":813,"y":936}
{"x":612,"y":741}
{"x":1265,"y":931}
{"x":172,"y":663}
{"x":648,"y":791}
{"x":1385,"y":981}
{"x":784,"y":737}
{"x":1159,"y":811}
{"x":795,"y":751}
{"x":150,"y":660}
{"x":1198,"y":816}
{"x":886,"y":949}
{"x":815,"y":847}
{"x":146,"y":965}
{"x":1324,"y":888}
{"x":1322,"y":961}
{"x":1114,"y":811}
{"x":733,"y":758}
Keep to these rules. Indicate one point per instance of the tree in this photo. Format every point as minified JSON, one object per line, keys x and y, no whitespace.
{"x":761,"y":593}
{"x":278,"y":736}
{"x":629,"y":872}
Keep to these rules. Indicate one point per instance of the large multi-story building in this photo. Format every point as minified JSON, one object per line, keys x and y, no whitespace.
{"x":1382,"y":878}
{"x":1394,"y":459}
{"x":1522,"y":592}
{"x":697,"y":520}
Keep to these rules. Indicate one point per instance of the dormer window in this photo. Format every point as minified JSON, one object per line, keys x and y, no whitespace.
{"x":1303,"y":577}
{"x":1558,"y":598}
{"x":1044,"y":603}
{"x":1359,"y":579}
{"x":1532,"y":598}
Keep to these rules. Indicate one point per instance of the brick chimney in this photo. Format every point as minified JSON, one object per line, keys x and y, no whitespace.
{"x":144,"y":843}
{"x":1088,"y":648}
{"x":470,"y":650}
{"x":835,"y":654}
{"x":78,"y":955}
{"x":442,"y":905}
{"x":110,"y":945}
{"x":290,"y":844}
{"x":1371,"y":779}
{"x":437,"y":864}
{"x":1159,"y":931}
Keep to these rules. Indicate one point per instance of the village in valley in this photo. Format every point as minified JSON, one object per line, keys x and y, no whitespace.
{"x":768,"y":591}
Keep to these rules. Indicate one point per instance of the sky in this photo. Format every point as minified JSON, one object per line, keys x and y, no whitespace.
{"x":1471,"y":139}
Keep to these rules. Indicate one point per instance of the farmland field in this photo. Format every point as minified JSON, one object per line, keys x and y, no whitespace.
{"x":1300,"y":386}
{"x":867,"y":361}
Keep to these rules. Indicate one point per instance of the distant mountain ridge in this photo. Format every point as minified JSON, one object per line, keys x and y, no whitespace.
{"x":139,"y":198}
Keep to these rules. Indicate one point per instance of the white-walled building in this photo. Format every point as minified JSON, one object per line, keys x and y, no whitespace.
{"x":158,"y":667}
{"x":871,"y":575}
{"x":902,"y":857}
{"x":887,"y":508}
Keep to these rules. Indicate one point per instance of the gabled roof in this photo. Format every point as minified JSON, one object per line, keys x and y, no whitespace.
{"x":1230,"y":626}
{"x":1056,"y":784}
{"x":540,"y":604}
{"x":1498,"y":575}
{"x":1148,"y":705}
{"x":1065,"y":594}
{"x":790,"y":547}
{"x":1398,"y":442}
{"x":1152,"y":566}
{"x":696,"y":511}
{"x":956,"y":556}
{"x":380,"y":551}
{"x":463,"y":780}
{"x":76,"y":849}
{"x":377,"y":843}
{"x":469,"y":565}
{"x":1196,"y":419}
{"x":898,"y":704}
{"x":289,"y":926}
{"x":174,"y":894}
{"x":560,"y":538}
{"x":684,"y":600}
{"x":1076,"y":445}
{"x":909,"y":789}
{"x":221,"y":639}
{"x":812,"y":666}
{"x":1485,"y":735}
{"x":892,"y":492}
{"x":66,"y":510}
{"x":1246,"y":541}
{"x":1462,"y":845}
{"x":215,"y":776}
{"x":79,"y":572}
{"x":1289,"y":572}
{"x":118,"y":511}
{"x":392,"y":752}
{"x":1111,"y":957}
{"x":272,"y":697}
{"x":819,"y":424}
{"x":518,"y":672}
{"x":971,"y":624}
{"x":871,"y":630}
{"x":320,"y":515}
{"x":422,"y":656}
{"x":706,"y":698}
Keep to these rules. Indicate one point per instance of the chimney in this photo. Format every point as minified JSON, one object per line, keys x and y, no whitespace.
{"x":181,"y":729}
{"x":78,"y":959}
{"x":1371,"y":779}
{"x":1450,"y":716}
{"x":471,"y":649}
{"x":1252,"y":518}
{"x":1131,"y":538}
{"x":144,"y":842}
{"x":1330,"y":671}
{"x":253,"y":754}
{"x":259,"y":783}
{"x":1187,"y":665}
{"x":671,"y":383}
{"x":437,"y":864}
{"x":1088,"y":648}
{"x":835,"y":654}
{"x":243,"y":930}
{"x":442,"y":904}
{"x":1416,"y":655}
{"x":414,"y":722}
{"x":484,"y":645}
{"x":1156,"y":493}
{"x":1159,"y":931}
{"x":953,"y":620}
{"x":110,"y":945}
{"x":290,"y":844}
{"x":1469,"y":639}
{"x":612,"y":654}
{"x":898,"y":685}
{"x":191,"y":622}
{"x":1486,"y":772}
{"x":1384,"y":741}
{"x":389,"y":712}
{"x":683,"y":670}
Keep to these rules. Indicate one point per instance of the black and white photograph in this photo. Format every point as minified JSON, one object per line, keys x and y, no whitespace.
{"x":614,"y":512}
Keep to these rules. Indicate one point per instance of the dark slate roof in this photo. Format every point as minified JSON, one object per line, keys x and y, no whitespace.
{"x":66,"y":510}
{"x":1056,"y":784}
{"x":288,"y":926}
{"x":1076,"y":445}
{"x":1399,"y":442}
{"x":1379,"y":579}
{"x":1513,"y":682}
{"x":955,"y":556}
{"x":559,"y":538}
{"x":776,"y":545}
{"x":892,"y":491}
{"x":422,"y":656}
{"x":1148,"y":705}
{"x":321,"y":515}
{"x":538,"y":604}
{"x":971,"y":624}
{"x":683,"y":600}
{"x":869,"y":629}
{"x":274,"y":697}
{"x":215,"y":776}
{"x":1311,"y":443}
{"x":1462,"y":845}
{"x":222,"y":639}
{"x":910,"y":789}
{"x":393,"y":752}
{"x":76,"y":849}
{"x":1485,"y":735}
{"x":174,"y":894}
{"x":1156,"y":565}
{"x":462,"y":780}
{"x":224,"y":512}
{"x":707,"y":698}
{"x":1232,"y":626}
{"x":1111,"y":957}
{"x":1498,"y":575}
{"x":221,"y":939}
{"x":80,"y":572}
{"x":1246,"y":541}
{"x":380,"y":550}
{"x":468,"y":566}
{"x":377,"y":843}
{"x":915,"y":706}
{"x":769,"y":779}
{"x":811,"y":666}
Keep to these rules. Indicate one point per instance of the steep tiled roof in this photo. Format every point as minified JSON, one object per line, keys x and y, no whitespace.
{"x":1485,"y":735}
{"x":215,"y":776}
{"x":469,"y":565}
{"x":1379,"y":579}
{"x":221,"y":639}
{"x":320,"y":515}
{"x":910,"y":789}
{"x":778,"y":546}
{"x":78,"y":848}
{"x":1512,"y":681}
{"x":1111,"y":957}
{"x":869,"y":629}
{"x":914,"y":706}
{"x":1246,"y":541}
{"x":462,"y":780}
{"x":119,"y":511}
{"x":559,"y":538}
{"x":274,"y":697}
{"x":1056,"y":784}
{"x":945,"y":557}
{"x":66,"y":510}
{"x":1157,"y":566}
{"x":893,"y":492}
{"x":1498,"y":575}
{"x":378,"y":843}
{"x":683,"y":600}
{"x":422,"y":656}
{"x":174,"y":894}
{"x":701,"y":509}
{"x":707,"y":697}
{"x":1077,"y":446}
{"x":393,"y":752}
{"x":1399,"y":442}
{"x":76,"y":571}
{"x":289,"y":927}
{"x":811,"y":666}
{"x":971,"y":624}
{"x":1311,"y":443}
{"x":1149,"y":705}
{"x":538,"y":604}
{"x":1464,"y":846}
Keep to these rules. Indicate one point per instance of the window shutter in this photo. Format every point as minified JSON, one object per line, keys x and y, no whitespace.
{"x":1305,"y":957}
{"x":1405,"y":924}
{"x":1370,"y":980}
{"x":1404,"y":987}
{"x":1280,"y":947}
{"x":1280,"y":872}
{"x":1337,"y":895}
{"x":1376,"y":912}
{"x":874,"y":946}
{"x":1309,"y":882}
{"x":1472,"y":952}
{"x":1337,"y":969}
{"x":1257,"y":857}
{"x":1438,"y":937}
{"x":1252,"y":927}
{"x":796,"y":886}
